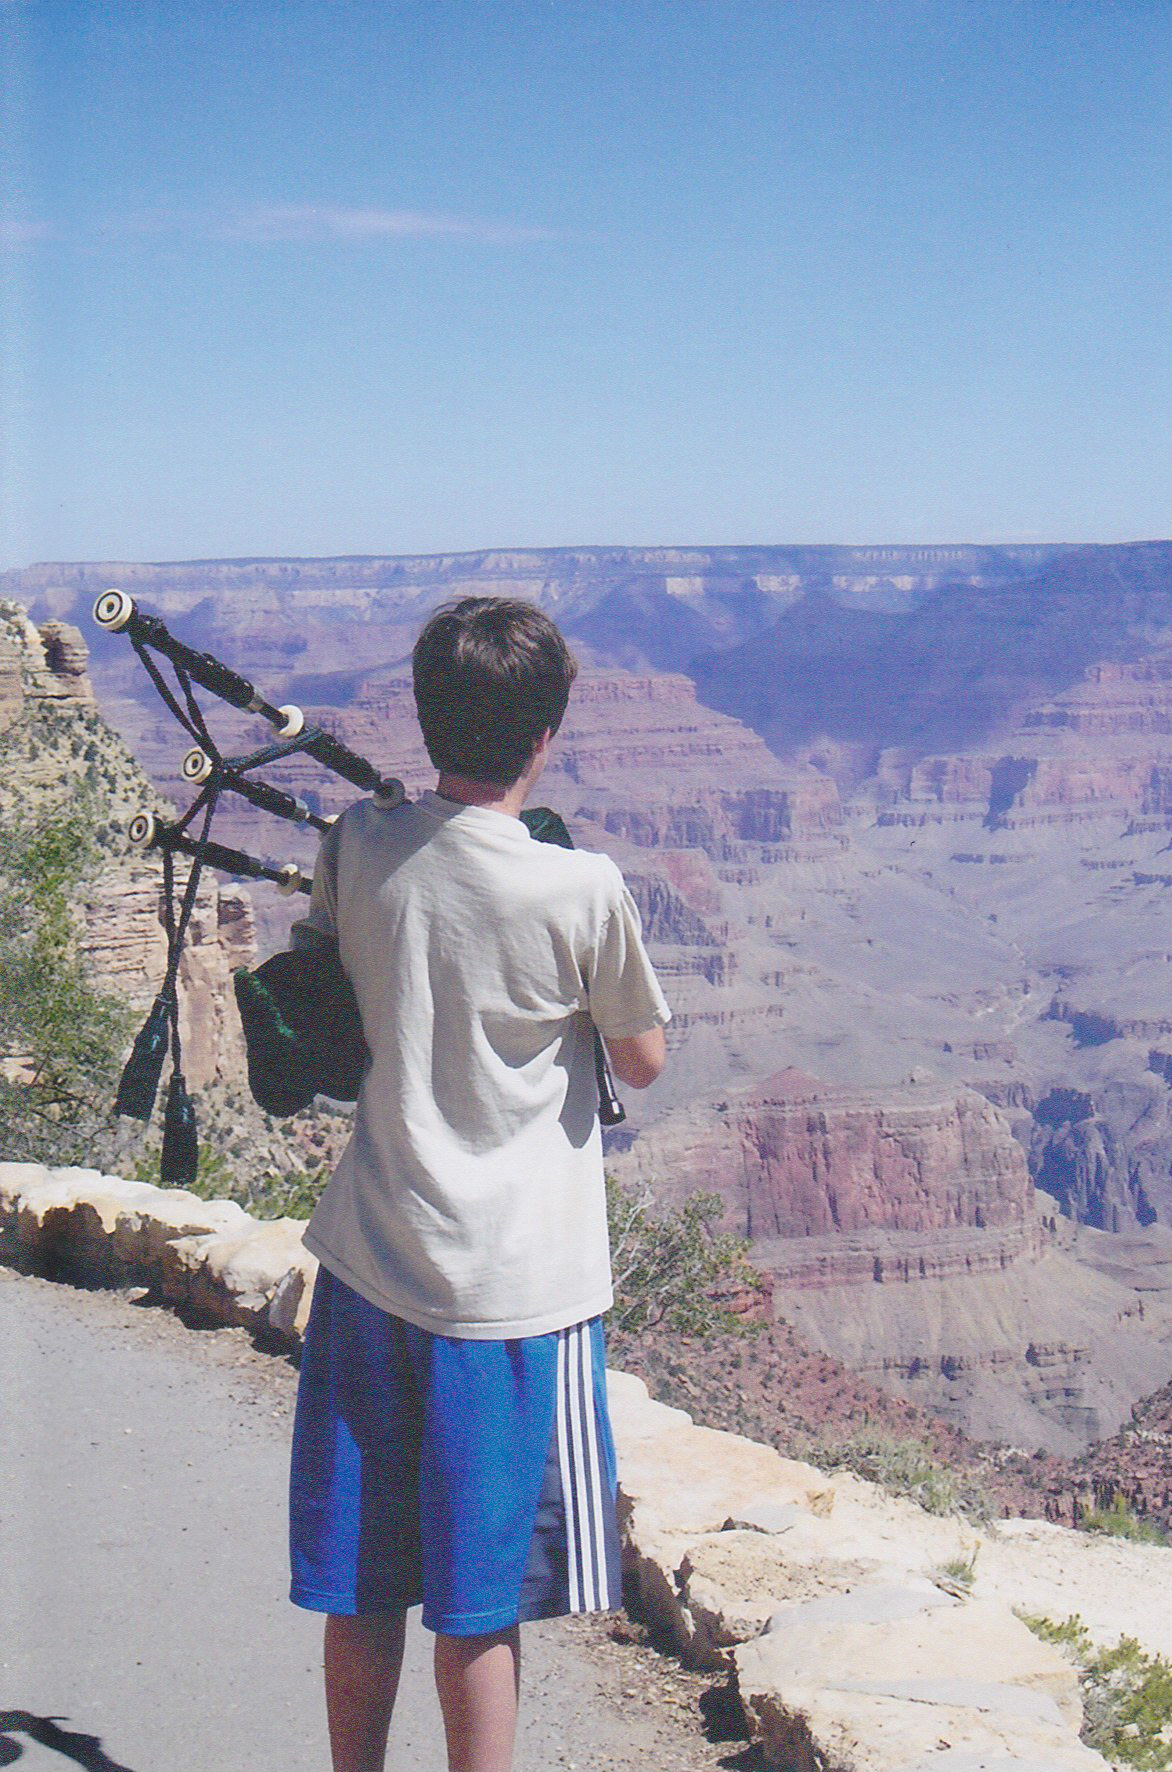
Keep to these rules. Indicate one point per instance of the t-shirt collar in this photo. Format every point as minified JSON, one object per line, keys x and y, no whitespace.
{"x":484,"y":817}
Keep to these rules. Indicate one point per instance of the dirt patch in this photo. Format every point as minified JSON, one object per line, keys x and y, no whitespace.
{"x":696,"y":1716}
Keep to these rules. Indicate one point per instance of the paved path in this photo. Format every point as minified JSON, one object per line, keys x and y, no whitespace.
{"x":143,"y":1577}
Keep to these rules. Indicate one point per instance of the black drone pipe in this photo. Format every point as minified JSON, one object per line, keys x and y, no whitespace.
{"x":149,"y":832}
{"x":119,"y":614}
{"x":198,"y":768}
{"x":332,"y":754}
{"x":270,"y":799}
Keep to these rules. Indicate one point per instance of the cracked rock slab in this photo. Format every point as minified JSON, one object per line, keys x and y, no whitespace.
{"x":884,"y":1678}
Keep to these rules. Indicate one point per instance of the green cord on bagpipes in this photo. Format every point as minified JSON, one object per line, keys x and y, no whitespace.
{"x":293,"y":1053}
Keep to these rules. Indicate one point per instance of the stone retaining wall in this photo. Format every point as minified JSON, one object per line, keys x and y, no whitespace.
{"x":852,"y":1650}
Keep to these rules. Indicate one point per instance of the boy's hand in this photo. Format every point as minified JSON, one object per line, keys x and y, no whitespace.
{"x":637,"y":1059}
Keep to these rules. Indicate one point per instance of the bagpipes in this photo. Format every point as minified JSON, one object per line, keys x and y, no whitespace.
{"x":301,"y":1024}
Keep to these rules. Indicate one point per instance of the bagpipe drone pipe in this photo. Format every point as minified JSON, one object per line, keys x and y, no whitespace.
{"x":300,"y":1018}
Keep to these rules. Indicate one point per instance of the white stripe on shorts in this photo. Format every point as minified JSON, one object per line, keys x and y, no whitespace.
{"x":572,"y":1564}
{"x":581,"y":1473}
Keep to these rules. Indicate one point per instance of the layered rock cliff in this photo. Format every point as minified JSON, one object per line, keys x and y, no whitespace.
{"x":964,"y":663}
{"x":834,"y":1184}
{"x":1101,"y":748}
{"x":636,"y":607}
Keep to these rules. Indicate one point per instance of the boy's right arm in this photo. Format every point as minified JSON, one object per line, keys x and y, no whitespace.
{"x":624,"y":996}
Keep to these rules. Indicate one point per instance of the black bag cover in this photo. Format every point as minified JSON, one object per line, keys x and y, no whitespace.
{"x":302,"y":1029}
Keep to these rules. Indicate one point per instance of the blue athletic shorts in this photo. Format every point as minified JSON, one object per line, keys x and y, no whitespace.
{"x":475,"y":1476}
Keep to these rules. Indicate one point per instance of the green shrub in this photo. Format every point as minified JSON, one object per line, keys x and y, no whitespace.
{"x":671,"y":1269}
{"x":902,"y":1467}
{"x":961,"y":1570}
{"x":289,"y":1196}
{"x":1071,"y":1634}
{"x":1118,"y":1521}
{"x":1127,"y":1695}
{"x":60,"y":1040}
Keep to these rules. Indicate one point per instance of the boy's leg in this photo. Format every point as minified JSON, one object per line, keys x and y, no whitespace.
{"x":478,"y":1680}
{"x":363,"y":1655}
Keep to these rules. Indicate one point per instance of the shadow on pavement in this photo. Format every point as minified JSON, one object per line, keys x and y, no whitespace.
{"x":83,"y":1750}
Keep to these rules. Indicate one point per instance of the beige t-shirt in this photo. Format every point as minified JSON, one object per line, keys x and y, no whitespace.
{"x":470,"y":1199}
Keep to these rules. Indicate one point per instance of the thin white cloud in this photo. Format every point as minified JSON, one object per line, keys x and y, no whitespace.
{"x":265,"y":224}
{"x":23,"y":233}
{"x":313,"y":222}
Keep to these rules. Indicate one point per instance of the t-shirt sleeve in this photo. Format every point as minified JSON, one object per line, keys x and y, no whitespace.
{"x":624,"y":994}
{"x":321,"y":923}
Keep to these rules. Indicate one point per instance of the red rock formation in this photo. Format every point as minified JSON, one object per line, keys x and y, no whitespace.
{"x":841,"y":1185}
{"x":640,"y":757}
{"x":67,"y":663}
{"x":919,"y":1159}
{"x":124,"y":945}
{"x":667,"y":916}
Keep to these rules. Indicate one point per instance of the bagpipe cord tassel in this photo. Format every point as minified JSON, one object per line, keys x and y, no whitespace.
{"x":139,"y":1083}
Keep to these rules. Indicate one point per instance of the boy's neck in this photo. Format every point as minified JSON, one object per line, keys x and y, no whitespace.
{"x":484,"y":793}
{"x":490,"y":794}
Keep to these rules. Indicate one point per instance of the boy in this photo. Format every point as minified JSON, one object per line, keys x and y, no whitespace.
{"x":452,"y":1443}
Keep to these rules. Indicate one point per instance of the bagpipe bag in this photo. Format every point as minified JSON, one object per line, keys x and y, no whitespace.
{"x":302,"y":1030}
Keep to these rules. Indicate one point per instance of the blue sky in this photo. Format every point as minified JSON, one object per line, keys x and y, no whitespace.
{"x":346,"y":278}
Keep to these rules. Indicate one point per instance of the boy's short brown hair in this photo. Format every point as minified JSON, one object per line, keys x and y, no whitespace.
{"x":492,"y":675}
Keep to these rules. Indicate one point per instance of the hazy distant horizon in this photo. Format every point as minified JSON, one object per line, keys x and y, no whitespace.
{"x":587,"y":548}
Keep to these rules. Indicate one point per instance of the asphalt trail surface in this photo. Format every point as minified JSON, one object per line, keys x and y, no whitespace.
{"x":143,"y":1573}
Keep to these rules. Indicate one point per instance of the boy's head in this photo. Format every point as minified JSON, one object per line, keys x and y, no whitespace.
{"x":492,"y":676}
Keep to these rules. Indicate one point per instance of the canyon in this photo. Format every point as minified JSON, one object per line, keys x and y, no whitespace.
{"x":899,"y":824}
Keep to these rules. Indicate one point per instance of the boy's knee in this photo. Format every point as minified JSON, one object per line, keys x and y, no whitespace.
{"x":468,"y":1648}
{"x":364,"y":1633}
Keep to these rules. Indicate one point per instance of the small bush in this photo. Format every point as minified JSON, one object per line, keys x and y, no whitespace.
{"x":1127,"y":1695}
{"x":902,"y":1467}
{"x":289,"y":1196}
{"x":1071,"y":1634}
{"x":1118,"y":1521}
{"x":59,"y":1038}
{"x":961,"y":1570}
{"x":671,"y":1269}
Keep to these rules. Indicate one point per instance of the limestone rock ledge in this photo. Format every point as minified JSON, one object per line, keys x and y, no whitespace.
{"x":204,"y":1256}
{"x":852,"y":1649}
